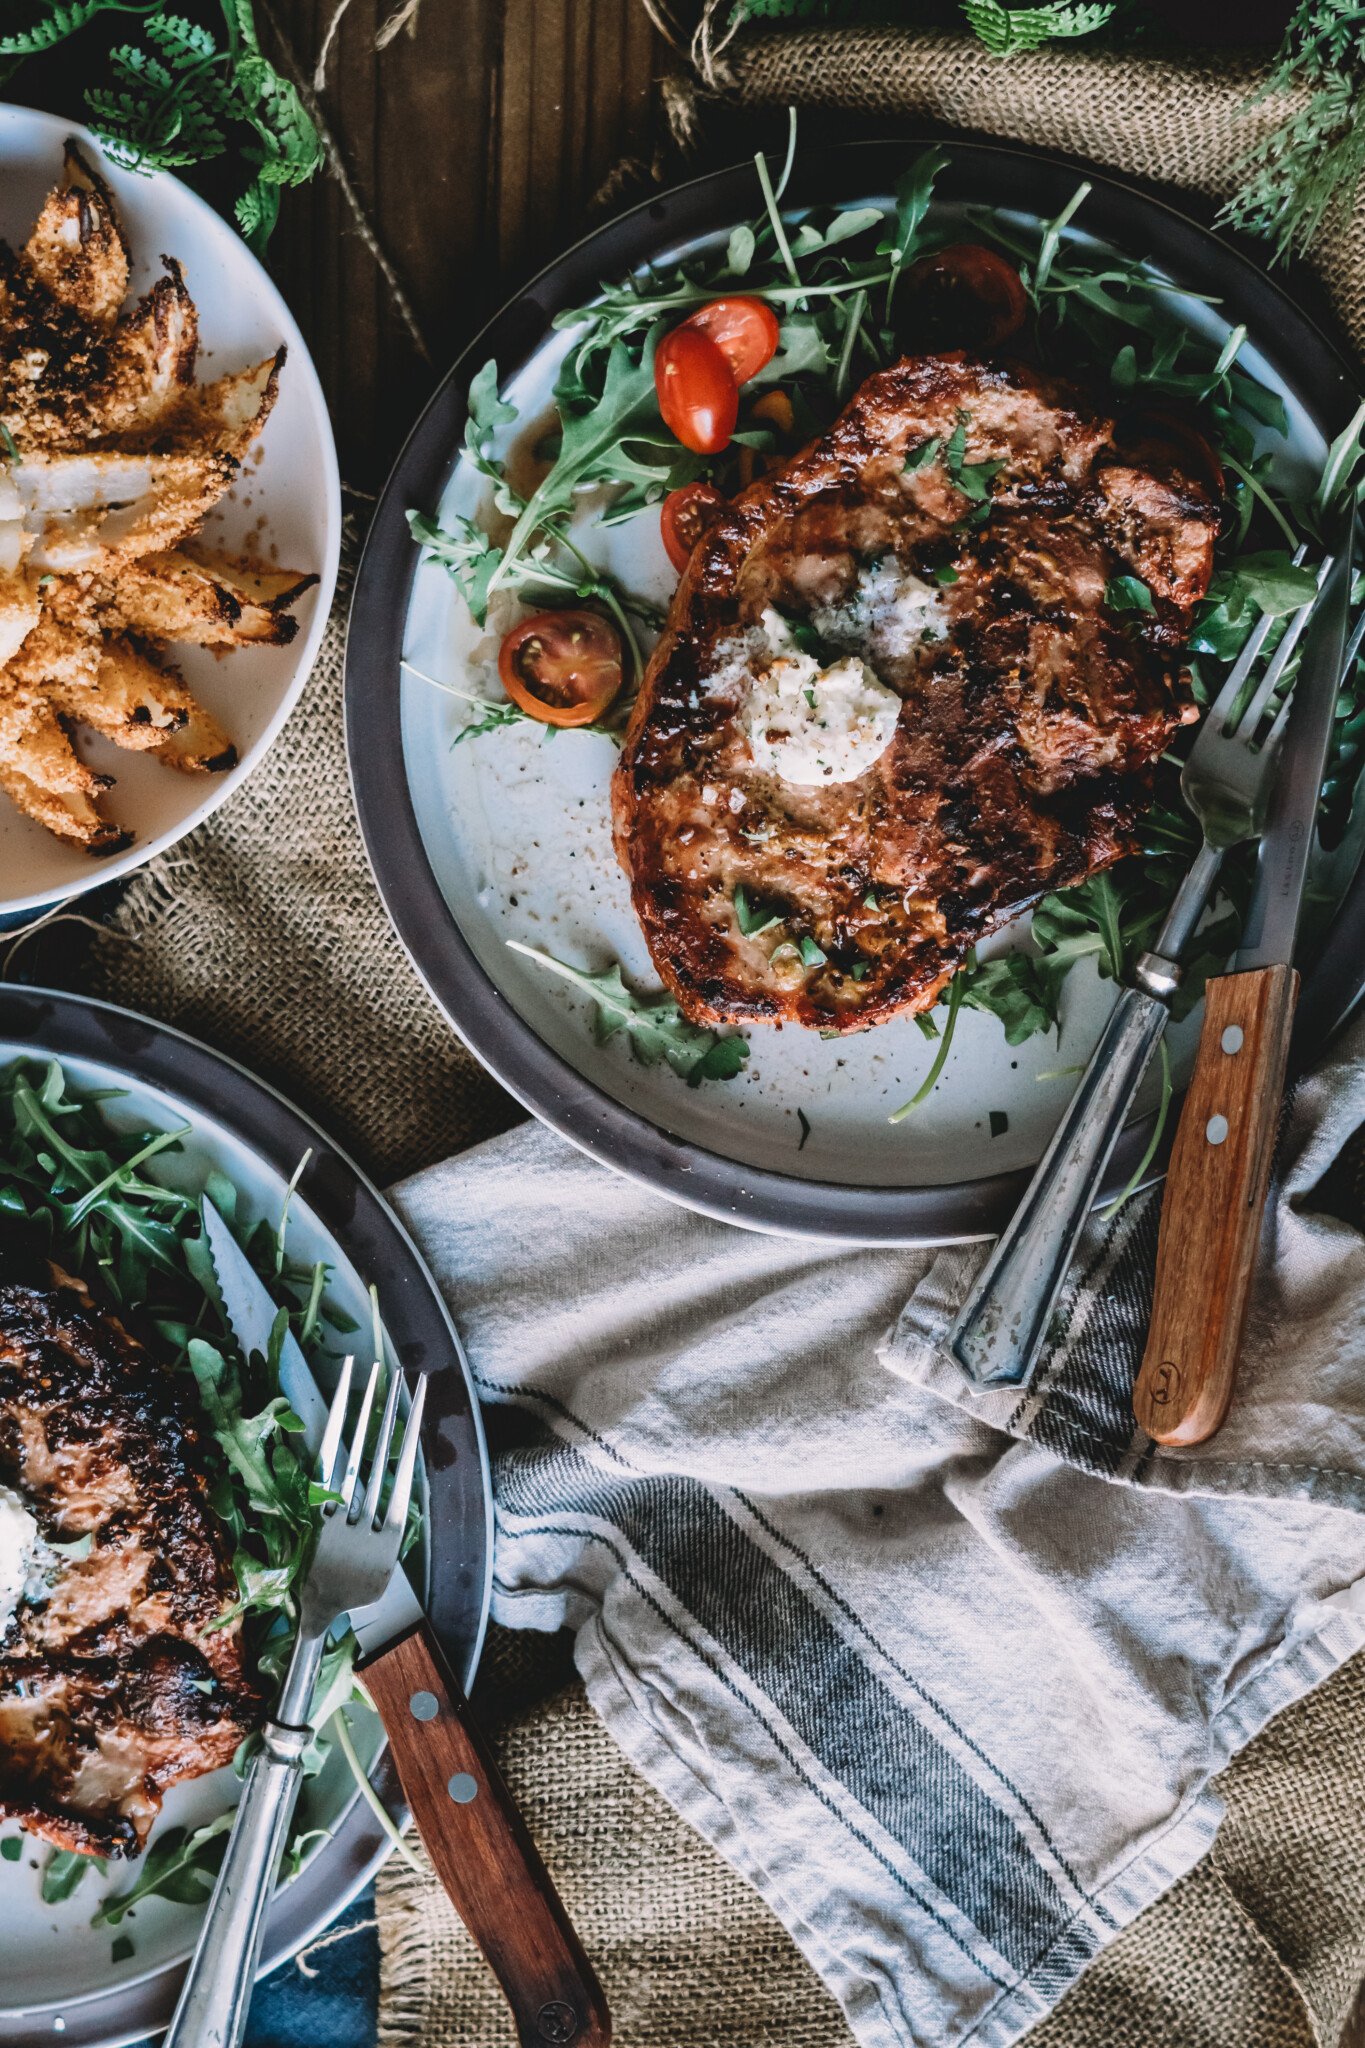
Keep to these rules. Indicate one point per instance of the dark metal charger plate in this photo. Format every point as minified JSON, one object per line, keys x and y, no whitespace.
{"x":459,"y":1520}
{"x":1308,"y":363}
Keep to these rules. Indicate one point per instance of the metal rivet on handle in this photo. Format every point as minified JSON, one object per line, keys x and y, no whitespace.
{"x":462,"y":1788}
{"x":424,"y":1706}
{"x":1216,"y":1129}
{"x":557,"y":2022}
{"x":1232,"y":1039}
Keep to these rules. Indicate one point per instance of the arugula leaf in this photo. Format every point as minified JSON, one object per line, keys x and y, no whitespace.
{"x":63,"y":1871}
{"x":180,"y":1865}
{"x":655,"y":1025}
{"x":1011,"y":988}
{"x":1267,"y":581}
{"x":1127,"y":594}
{"x":913,"y":193}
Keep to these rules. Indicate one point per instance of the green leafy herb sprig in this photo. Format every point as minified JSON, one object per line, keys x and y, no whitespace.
{"x":655,"y":1026}
{"x":1305,"y":172}
{"x":181,"y":96}
{"x":80,"y":1186}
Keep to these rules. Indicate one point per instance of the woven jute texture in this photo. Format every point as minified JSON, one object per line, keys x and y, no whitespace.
{"x":263,"y":934}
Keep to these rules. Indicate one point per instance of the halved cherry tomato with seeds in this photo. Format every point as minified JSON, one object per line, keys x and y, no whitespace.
{"x":562,"y":668}
{"x":965,"y":296}
{"x":684,"y":517}
{"x":746,"y":331}
{"x":698,"y":397}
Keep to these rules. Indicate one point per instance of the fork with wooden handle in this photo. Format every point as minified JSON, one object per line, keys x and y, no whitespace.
{"x":1220,"y":1163}
{"x":1001,"y":1328}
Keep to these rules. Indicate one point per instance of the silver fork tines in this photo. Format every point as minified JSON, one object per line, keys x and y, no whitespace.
{"x":354,"y":1557}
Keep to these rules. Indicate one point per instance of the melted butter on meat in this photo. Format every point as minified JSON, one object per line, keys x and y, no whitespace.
{"x":18,"y":1533}
{"x":810,"y":723}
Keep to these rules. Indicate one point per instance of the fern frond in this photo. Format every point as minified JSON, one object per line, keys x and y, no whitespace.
{"x":1006,"y":31}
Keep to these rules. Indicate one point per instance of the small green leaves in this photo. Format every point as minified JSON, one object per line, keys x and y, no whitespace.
{"x":812,"y":955}
{"x":921,"y":457}
{"x":973,"y":479}
{"x":945,"y":574}
{"x":63,"y":1871}
{"x":999,"y":1122}
{"x":1127,"y":594}
{"x":180,"y":1865}
{"x":1007,"y":31}
{"x":804,"y":1121}
{"x":12,"y":1848}
{"x":121,"y":1949}
{"x":655,"y":1025}
{"x":8,"y":444}
{"x":753,"y":918}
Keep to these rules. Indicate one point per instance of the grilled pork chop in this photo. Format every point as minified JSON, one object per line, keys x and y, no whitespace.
{"x":118,"y":1679}
{"x":891,"y":704}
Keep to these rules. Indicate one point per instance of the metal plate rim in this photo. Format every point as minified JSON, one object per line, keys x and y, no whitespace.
{"x":87,"y":1027}
{"x":751,"y":1197}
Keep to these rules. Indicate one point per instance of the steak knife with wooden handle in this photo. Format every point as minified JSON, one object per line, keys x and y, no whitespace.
{"x":1220,"y":1162}
{"x":470,"y":1827}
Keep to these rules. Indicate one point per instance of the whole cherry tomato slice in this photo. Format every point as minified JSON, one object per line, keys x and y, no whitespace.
{"x":745,"y":331}
{"x":966,"y":296}
{"x":684,"y":517}
{"x":563,"y":668}
{"x":698,"y":397}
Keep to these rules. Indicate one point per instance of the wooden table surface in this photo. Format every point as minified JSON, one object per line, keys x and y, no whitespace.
{"x":473,"y":146}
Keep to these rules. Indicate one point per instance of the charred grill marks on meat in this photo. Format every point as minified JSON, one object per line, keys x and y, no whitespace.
{"x":967,"y":575}
{"x":124,"y":1673}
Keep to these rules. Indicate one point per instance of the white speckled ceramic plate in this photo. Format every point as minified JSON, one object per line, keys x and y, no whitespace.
{"x":287,"y":505}
{"x":506,"y":837}
{"x":59,"y":1977}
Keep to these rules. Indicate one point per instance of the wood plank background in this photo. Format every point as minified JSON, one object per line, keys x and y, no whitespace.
{"x":475,"y":144}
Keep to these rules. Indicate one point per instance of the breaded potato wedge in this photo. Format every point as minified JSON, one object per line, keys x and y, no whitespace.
{"x":88,"y":510}
{"x":200,"y":747}
{"x":41,"y":772}
{"x":126,"y":697}
{"x":76,"y":250}
{"x":20,"y":610}
{"x":177,"y":597}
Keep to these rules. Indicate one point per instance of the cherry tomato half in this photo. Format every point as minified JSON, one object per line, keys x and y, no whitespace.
{"x":965,"y":296}
{"x":684,"y":517}
{"x":698,"y":397}
{"x":563,"y":668}
{"x":1160,"y":435}
{"x":746,"y":332}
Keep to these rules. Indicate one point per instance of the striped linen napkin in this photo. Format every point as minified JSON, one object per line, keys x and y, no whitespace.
{"x":946,"y":1676}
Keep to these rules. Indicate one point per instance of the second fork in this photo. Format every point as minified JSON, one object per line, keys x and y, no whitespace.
{"x":1002,"y":1326}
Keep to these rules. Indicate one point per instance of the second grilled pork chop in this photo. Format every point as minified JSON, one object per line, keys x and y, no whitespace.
{"x":891,"y":705}
{"x":121,"y":1677}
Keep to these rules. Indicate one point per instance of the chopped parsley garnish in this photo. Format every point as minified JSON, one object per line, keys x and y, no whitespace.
{"x":753,"y":918}
{"x":8,"y":443}
{"x":811,"y":954}
{"x":945,"y":574}
{"x":999,"y":1122}
{"x":921,"y":457}
{"x":973,"y":479}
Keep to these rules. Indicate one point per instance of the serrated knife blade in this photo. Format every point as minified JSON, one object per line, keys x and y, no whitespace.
{"x":251,"y":1314}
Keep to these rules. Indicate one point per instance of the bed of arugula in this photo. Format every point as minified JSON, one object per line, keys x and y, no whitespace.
{"x":836,"y":279}
{"x":88,"y":1192}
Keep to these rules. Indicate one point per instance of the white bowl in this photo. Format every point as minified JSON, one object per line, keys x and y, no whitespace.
{"x":289,"y":503}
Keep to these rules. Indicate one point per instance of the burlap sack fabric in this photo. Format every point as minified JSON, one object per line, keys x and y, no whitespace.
{"x":263,"y":934}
